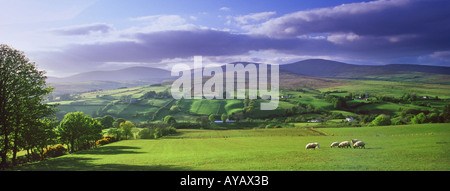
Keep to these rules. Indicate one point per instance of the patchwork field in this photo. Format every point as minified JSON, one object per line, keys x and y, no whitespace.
{"x":407,"y":147}
{"x":392,"y":88}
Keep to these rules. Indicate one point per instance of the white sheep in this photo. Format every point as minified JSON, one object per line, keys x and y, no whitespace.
{"x":344,"y":144}
{"x":359,"y":144}
{"x":312,"y":146}
{"x":353,"y":141}
{"x":334,"y":144}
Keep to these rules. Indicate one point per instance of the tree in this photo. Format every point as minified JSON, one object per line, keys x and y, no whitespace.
{"x":150,"y":94}
{"x":119,"y":121}
{"x":22,"y":92}
{"x":212,"y":118}
{"x":39,"y":137}
{"x":203,"y":122}
{"x":174,"y":109}
{"x":224,"y":117}
{"x":170,"y":120}
{"x":116,"y":132}
{"x":419,"y":118}
{"x":310,"y":108}
{"x":433,"y":118}
{"x":382,"y":120}
{"x":78,"y":129}
{"x":126,"y":128}
{"x":445,"y":115}
{"x":107,"y":121}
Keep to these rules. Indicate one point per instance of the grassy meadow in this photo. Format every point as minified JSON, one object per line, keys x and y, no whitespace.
{"x":255,"y":145}
{"x":405,"y":148}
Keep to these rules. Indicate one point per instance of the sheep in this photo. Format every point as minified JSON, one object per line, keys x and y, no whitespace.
{"x":334,"y":144}
{"x":359,"y":144}
{"x":353,"y":141}
{"x":344,"y":144}
{"x":312,"y":145}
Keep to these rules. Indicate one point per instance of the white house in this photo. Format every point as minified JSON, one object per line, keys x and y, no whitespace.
{"x":350,"y":119}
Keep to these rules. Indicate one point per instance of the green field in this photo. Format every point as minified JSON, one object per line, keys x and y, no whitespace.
{"x":392,"y":88}
{"x":130,"y":104}
{"x":407,"y":147}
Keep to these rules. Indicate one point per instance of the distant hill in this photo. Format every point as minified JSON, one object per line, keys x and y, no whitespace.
{"x":393,"y":72}
{"x":127,"y":74}
{"x":313,"y":73}
{"x":419,"y":68}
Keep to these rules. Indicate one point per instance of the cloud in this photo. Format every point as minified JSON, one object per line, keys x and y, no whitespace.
{"x":441,"y":55}
{"x":376,"y":31}
{"x":224,"y":9}
{"x":83,"y":29}
{"x":245,"y":19}
{"x":375,"y":18}
{"x":155,"y":23}
{"x":161,"y":19}
{"x":154,"y":47}
{"x":340,"y":19}
{"x":249,"y":20}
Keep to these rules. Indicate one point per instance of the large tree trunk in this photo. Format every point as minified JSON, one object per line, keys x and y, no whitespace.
{"x":72,"y":145}
{"x":3,"y":153}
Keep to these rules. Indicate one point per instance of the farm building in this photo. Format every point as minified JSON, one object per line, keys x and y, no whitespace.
{"x":350,"y":119}
{"x":316,"y":120}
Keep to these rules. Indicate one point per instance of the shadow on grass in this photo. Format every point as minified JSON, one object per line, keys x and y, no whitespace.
{"x":111,"y":150}
{"x":78,"y":162}
{"x":87,"y":164}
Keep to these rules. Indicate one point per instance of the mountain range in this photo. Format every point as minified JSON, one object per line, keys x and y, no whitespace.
{"x":332,"y":69}
{"x":128,"y":74}
{"x":309,"y":73}
{"x":312,"y":67}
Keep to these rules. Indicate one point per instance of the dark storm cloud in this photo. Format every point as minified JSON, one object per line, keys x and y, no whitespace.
{"x":375,"y":29}
{"x":375,"y":18}
{"x":378,"y":31}
{"x":155,"y":46}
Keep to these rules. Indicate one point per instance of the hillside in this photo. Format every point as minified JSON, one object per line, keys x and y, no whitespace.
{"x":131,"y":104}
{"x":127,"y":74}
{"x":313,"y":73}
{"x":393,"y":72}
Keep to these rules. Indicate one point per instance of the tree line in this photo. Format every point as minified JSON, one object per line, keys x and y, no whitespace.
{"x":25,"y":119}
{"x":22,"y":111}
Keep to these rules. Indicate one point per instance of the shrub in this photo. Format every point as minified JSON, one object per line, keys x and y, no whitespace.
{"x":171,"y":130}
{"x":146,"y":133}
{"x":106,"y":140}
{"x":34,"y":156}
{"x":110,"y":139}
{"x":103,"y":141}
{"x":163,"y":131}
{"x":158,"y":133}
{"x":86,"y":145}
{"x":382,"y":120}
{"x":55,"y":151}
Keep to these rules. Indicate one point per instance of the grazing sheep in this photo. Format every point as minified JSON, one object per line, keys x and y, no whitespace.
{"x":344,"y":144}
{"x":359,"y":144}
{"x":334,"y":144}
{"x":312,"y":146}
{"x":353,"y":141}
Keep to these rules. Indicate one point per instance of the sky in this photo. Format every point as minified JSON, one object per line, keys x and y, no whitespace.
{"x":66,"y":37}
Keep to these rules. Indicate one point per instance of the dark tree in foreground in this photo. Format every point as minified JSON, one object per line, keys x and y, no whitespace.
{"x":22,"y":91}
